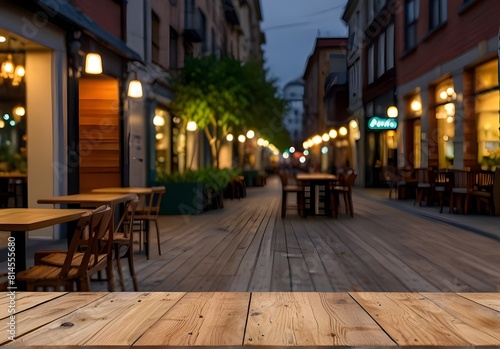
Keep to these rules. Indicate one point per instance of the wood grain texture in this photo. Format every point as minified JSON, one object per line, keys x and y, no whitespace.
{"x":490,"y":300}
{"x":201,"y":319}
{"x":310,"y":319}
{"x":47,"y":311}
{"x":117,"y":319}
{"x":24,"y":300}
{"x":411,"y":319}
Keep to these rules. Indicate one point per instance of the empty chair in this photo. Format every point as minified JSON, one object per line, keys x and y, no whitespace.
{"x":482,"y":191}
{"x":67,"y":269}
{"x":344,"y":188}
{"x":287,"y":188}
{"x":443,"y":182}
{"x":460,"y":192}
{"x":424,"y":186}
{"x":147,"y":212}
{"x":124,"y":237}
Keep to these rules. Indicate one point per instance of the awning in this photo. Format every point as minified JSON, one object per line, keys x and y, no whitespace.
{"x":68,"y":12}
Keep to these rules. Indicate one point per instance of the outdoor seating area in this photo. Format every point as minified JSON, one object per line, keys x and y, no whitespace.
{"x":464,"y":191}
{"x":101,"y":228}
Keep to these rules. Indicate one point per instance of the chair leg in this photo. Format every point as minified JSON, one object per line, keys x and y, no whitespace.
{"x":158,"y":237}
{"x":351,"y":208}
{"x":109,"y":275}
{"x":283,"y":204}
{"x":132,"y":268}
{"x":119,"y":265}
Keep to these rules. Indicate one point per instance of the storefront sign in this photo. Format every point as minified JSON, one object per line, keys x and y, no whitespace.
{"x":378,"y":123}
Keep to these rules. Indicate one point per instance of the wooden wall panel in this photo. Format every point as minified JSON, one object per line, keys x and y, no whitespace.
{"x":99,"y":133}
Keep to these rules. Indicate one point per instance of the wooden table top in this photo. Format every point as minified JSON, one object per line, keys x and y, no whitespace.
{"x":16,"y":175}
{"x":124,"y":190}
{"x":315,"y":176}
{"x":26,"y":219}
{"x":88,"y":198}
{"x":242,"y":319}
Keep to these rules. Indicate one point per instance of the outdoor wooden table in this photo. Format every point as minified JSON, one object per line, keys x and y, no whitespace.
{"x":93,"y":200}
{"x":20,"y":220}
{"x":314,"y":181}
{"x":242,"y":319}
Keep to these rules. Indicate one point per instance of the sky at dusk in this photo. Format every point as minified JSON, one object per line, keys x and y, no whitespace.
{"x":291,"y":28}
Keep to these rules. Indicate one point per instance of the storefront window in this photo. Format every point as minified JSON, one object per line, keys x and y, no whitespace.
{"x":487,"y":115}
{"x":163,"y":137}
{"x":13,"y":139}
{"x":445,"y":115}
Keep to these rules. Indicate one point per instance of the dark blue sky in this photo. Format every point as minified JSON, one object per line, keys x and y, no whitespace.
{"x":291,"y":28}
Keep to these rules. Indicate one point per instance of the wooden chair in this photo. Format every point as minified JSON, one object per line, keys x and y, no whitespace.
{"x":482,"y":191}
{"x":287,"y":188}
{"x":345,"y":188}
{"x":424,"y":186}
{"x":147,"y":212}
{"x":124,"y":237}
{"x":460,"y":192}
{"x":442,"y":184}
{"x":76,"y":261}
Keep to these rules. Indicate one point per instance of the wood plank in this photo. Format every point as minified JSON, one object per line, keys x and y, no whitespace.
{"x":201,"y":319}
{"x":117,"y":319}
{"x":490,"y":300}
{"x":413,"y":320}
{"x":478,"y":324}
{"x":24,"y":300}
{"x":310,"y":319}
{"x":47,"y":311}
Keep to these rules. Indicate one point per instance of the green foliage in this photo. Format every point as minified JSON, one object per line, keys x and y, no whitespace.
{"x":225,"y":95}
{"x":212,"y":178}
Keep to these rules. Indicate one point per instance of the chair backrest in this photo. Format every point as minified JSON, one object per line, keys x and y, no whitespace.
{"x":484,"y":179}
{"x":80,"y":241}
{"x":99,"y":228}
{"x":126,"y":223}
{"x":424,"y":175}
{"x":462,"y":179}
{"x":351,"y":178}
{"x":155,"y":200}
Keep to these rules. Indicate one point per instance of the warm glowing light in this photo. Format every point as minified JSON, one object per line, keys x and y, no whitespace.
{"x":229,"y":137}
{"x":93,"y":63}
{"x":325,"y":137}
{"x":19,"y":71}
{"x":158,"y":120}
{"x":3,"y":38}
{"x":342,"y":131}
{"x":159,"y":136}
{"x":353,"y":124}
{"x":446,"y":138}
{"x":416,"y":105}
{"x":317,"y":139}
{"x":19,"y":111}
{"x":392,"y":112}
{"x":443,"y":95}
{"x":241,"y":138}
{"x":250,"y":134}
{"x":135,"y":89}
{"x":450,"y":91}
{"x":261,"y":142}
{"x":305,"y":145}
{"x":191,"y":126}
{"x":449,"y":108}
{"x":2,"y":123}
{"x":333,"y":133}
{"x":450,"y":119}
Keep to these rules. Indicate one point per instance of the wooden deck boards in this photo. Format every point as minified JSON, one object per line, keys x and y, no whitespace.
{"x":247,"y":246}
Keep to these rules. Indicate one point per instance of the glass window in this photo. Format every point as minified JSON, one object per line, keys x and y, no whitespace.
{"x":155,"y":38}
{"x":371,"y":64}
{"x":487,"y":115}
{"x":411,"y":18}
{"x":162,"y":124}
{"x":381,"y":55}
{"x":389,"y":39}
{"x":338,"y":66}
{"x":438,"y":13}
{"x":174,"y":39}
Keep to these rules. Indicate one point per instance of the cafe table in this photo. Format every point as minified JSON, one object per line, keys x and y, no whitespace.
{"x":20,"y":220}
{"x":251,"y":320}
{"x":93,"y":200}
{"x":314,"y":181}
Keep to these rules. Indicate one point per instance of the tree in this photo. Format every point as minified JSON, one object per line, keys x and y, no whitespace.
{"x":225,"y":95}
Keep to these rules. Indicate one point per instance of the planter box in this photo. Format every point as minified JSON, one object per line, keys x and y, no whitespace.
{"x":183,"y":198}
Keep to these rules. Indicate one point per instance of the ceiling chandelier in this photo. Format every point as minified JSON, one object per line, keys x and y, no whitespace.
{"x":9,"y":70}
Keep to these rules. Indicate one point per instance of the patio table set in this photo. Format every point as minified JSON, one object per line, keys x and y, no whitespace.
{"x":133,"y":205}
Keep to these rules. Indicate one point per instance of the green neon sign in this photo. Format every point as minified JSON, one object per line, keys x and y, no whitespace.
{"x":378,"y":123}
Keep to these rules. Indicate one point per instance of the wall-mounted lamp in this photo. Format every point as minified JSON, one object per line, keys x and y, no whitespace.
{"x":135,"y":89}
{"x":392,"y":112}
{"x":93,"y":63}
